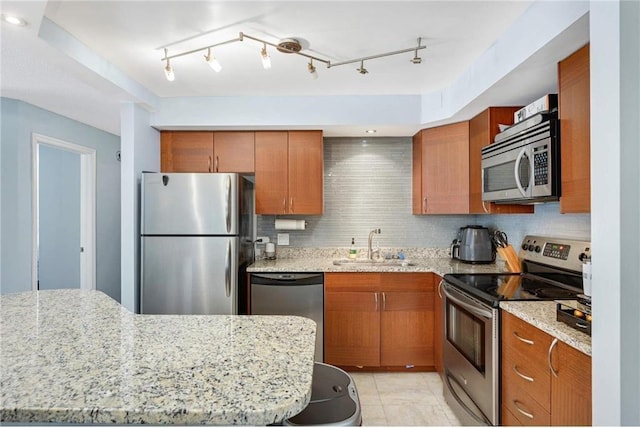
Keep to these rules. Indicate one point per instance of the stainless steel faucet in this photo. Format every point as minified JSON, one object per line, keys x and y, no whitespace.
{"x":370,"y":251}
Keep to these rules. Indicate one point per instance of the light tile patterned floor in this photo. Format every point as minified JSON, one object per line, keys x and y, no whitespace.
{"x":403,"y":399}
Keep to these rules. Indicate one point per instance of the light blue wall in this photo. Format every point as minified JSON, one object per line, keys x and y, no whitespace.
{"x":58,"y":218}
{"x":367,"y":184}
{"x":19,"y":120}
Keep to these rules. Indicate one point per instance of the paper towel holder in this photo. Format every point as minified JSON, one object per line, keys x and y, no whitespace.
{"x":290,"y":224}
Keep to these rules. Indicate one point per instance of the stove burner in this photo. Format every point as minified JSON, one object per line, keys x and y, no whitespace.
{"x":552,"y":293}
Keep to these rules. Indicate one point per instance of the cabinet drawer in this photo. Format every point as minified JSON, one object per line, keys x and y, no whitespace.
{"x":352,"y":281}
{"x":525,"y":338}
{"x":520,"y":370}
{"x":524,"y":408}
{"x":407,"y":281}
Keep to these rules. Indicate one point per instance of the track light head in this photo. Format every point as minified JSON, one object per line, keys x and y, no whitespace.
{"x":362,"y":70}
{"x":168,"y":70}
{"x":212,"y":61}
{"x":312,"y":70}
{"x":416,"y":59}
{"x":266,"y":61}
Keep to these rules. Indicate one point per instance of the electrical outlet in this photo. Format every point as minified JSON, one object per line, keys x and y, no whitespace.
{"x":283,"y":239}
{"x":262,"y":239}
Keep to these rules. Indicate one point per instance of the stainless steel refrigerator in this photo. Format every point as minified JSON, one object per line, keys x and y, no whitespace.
{"x":197,"y":234}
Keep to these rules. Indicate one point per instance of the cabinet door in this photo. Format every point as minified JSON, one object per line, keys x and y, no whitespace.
{"x":438,"y":325}
{"x":271,"y":157}
{"x":186,"y":151}
{"x":575,"y":150}
{"x":305,"y":172}
{"x":571,"y":388}
{"x":406,"y":332}
{"x":482,"y":130}
{"x":233,"y":152}
{"x":352,"y":328}
{"x":445,"y":169}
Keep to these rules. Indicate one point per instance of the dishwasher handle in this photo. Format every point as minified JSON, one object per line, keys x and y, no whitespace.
{"x":285,"y":278}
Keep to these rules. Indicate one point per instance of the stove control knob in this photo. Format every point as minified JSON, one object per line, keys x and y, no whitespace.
{"x":525,"y":246}
{"x":538,"y":248}
{"x":530,"y":248}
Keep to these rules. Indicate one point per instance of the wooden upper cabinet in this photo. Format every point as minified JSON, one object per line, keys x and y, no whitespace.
{"x":233,"y":151}
{"x":272,"y":158}
{"x":289,"y":172}
{"x":186,"y":151}
{"x":575,"y":142}
{"x":306,"y":172}
{"x":482,"y":130}
{"x":444,"y":170}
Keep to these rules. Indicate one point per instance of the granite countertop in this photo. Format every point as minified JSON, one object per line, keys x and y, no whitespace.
{"x":321,"y":260}
{"x":543,"y":316}
{"x":73,"y":356}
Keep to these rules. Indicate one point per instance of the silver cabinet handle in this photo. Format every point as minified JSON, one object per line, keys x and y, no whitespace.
{"x":440,"y":289}
{"x":522,"y":339}
{"x":209,"y":164}
{"x":525,"y":377}
{"x":284,"y":205}
{"x":384,"y":301}
{"x":291,"y":205}
{"x":424,"y":205}
{"x":527,"y":414}
{"x":375,"y":297}
{"x":484,"y":207}
{"x":553,"y":345}
{"x":217,"y":164}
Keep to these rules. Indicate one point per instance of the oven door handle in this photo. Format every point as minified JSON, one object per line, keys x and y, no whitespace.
{"x":482,"y":419}
{"x":484,"y":313}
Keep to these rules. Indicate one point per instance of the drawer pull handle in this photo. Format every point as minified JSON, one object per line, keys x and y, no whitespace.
{"x":522,"y":339}
{"x":527,"y":414}
{"x":525,"y":377}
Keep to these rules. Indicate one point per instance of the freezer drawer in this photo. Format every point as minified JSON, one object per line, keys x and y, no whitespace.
{"x":189,"y":275}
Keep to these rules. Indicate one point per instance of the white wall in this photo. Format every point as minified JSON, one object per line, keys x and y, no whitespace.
{"x":615,"y":201}
{"x":140,"y":152}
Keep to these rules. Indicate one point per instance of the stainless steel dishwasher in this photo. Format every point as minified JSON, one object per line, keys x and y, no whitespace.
{"x":299,"y":294}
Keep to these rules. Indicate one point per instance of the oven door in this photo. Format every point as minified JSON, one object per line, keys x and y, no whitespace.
{"x":470,"y":357}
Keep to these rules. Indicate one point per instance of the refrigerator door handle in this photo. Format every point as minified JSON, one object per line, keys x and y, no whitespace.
{"x":227,"y":203}
{"x":227,"y":270}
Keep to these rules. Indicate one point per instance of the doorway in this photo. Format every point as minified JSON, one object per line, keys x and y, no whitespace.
{"x":64,"y":213}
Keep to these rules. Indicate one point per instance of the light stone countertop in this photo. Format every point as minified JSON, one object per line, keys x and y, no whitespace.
{"x":73,"y":356}
{"x":543,"y":316}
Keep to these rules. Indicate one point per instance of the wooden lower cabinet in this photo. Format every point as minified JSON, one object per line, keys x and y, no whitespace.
{"x":379,"y":320}
{"x":533,"y":393}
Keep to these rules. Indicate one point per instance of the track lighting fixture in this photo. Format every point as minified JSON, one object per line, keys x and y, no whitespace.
{"x":286,"y":46}
{"x":312,"y":70}
{"x":212,"y":61}
{"x":362,"y":70}
{"x":168,"y":70}
{"x":266,"y":60}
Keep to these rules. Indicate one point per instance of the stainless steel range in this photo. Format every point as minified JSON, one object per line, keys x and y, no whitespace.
{"x":552,"y":270}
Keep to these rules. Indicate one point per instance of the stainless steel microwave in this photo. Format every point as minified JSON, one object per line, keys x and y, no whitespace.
{"x":523,"y":164}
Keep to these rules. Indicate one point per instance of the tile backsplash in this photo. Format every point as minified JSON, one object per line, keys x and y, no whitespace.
{"x":367,"y":184}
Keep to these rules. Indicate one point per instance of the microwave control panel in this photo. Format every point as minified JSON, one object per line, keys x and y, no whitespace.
{"x":541,"y":165}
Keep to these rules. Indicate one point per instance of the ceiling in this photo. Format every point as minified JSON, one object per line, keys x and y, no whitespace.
{"x":131,"y":35}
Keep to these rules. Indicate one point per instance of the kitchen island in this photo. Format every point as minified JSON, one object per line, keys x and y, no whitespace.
{"x":74,"y":356}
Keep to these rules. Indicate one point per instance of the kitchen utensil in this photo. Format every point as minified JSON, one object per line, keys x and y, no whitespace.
{"x":473,"y":245}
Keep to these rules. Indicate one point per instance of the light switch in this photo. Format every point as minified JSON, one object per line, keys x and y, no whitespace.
{"x":283,"y":239}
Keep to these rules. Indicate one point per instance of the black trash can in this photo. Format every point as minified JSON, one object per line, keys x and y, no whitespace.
{"x":334,"y":399}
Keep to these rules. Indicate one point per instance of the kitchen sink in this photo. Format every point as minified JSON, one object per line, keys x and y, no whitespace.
{"x":370,"y":262}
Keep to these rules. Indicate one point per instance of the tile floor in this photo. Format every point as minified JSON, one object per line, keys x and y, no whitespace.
{"x":403,"y":399}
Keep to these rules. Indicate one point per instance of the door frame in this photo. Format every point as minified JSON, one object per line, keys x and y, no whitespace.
{"x":87,"y":207}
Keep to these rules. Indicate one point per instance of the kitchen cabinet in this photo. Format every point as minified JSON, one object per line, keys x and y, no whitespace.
{"x":575,"y":143}
{"x":544,"y":381}
{"x":379,"y":319}
{"x":438,"y":325}
{"x":482,"y":130}
{"x":441,"y":170}
{"x":206,"y":151}
{"x":289,"y":172}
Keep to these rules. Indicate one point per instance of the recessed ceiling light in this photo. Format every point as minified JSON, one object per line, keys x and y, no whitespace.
{"x":370,"y":131}
{"x":15,"y":20}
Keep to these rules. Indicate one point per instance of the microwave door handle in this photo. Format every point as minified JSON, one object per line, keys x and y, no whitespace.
{"x":515,"y":171}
